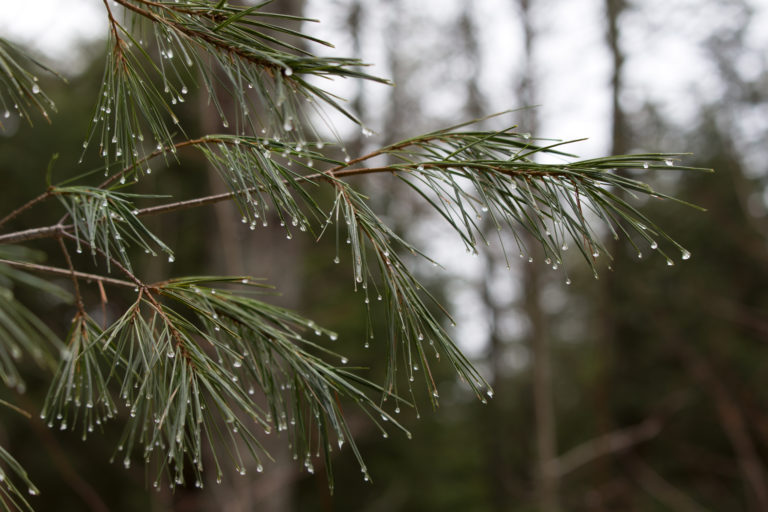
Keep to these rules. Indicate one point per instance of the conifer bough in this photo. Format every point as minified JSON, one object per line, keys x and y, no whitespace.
{"x":183,"y":363}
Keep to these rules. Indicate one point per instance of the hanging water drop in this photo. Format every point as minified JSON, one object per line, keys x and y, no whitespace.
{"x":654,"y":245}
{"x":35,"y":89}
{"x":686,"y":255}
{"x":288,"y":71}
{"x":184,"y":89}
{"x":645,"y":165}
{"x":344,"y":360}
{"x":171,"y":259}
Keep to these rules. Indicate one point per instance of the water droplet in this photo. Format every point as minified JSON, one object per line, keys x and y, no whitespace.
{"x":435,"y":394}
{"x":184,"y":89}
{"x":35,"y":89}
{"x":568,"y":281}
{"x":366,"y":132}
{"x":171,"y":259}
{"x":171,"y":354}
{"x":7,"y":114}
{"x":32,"y":491}
{"x":686,"y":255}
{"x":237,"y":364}
{"x":645,"y":165}
{"x":669,"y":163}
{"x":670,"y":263}
{"x":288,"y":71}
{"x":333,"y":336}
{"x":527,"y":135}
{"x":344,"y":360}
{"x":654,"y":245}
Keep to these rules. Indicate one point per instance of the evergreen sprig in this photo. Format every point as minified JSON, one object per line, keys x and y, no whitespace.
{"x":159,"y":50}
{"x":21,"y":331}
{"x":13,"y":499}
{"x":19,"y":87}
{"x":469,"y":176}
{"x":187,"y":371}
{"x":107,"y":220}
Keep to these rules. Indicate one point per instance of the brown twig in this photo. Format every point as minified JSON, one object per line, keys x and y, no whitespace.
{"x":733,"y":423}
{"x":65,"y":272}
{"x":619,"y":440}
{"x":26,"y":206}
{"x":653,"y":483}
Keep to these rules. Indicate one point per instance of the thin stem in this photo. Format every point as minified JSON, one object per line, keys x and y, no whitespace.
{"x":31,"y":234}
{"x":195,"y":36}
{"x":65,"y":272}
{"x":78,"y":296}
{"x":174,"y":332}
{"x":114,"y":25}
{"x":115,"y":262}
{"x":29,"y":204}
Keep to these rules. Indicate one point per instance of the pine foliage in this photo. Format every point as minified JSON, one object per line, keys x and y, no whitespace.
{"x":188,"y":357}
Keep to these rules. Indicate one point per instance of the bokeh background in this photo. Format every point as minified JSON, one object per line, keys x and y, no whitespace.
{"x":643,"y":390}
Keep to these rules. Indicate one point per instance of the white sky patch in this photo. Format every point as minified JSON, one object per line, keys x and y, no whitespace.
{"x":54,"y":28}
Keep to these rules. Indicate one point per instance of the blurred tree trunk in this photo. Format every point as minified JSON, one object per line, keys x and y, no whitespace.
{"x":494,"y":418}
{"x":547,"y":476}
{"x":237,"y":250}
{"x":608,"y":290}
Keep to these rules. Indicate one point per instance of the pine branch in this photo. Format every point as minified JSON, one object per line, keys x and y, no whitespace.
{"x":253,"y":64}
{"x":19,"y":89}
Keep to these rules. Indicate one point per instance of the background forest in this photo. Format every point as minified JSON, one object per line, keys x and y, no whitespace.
{"x":643,"y":390}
